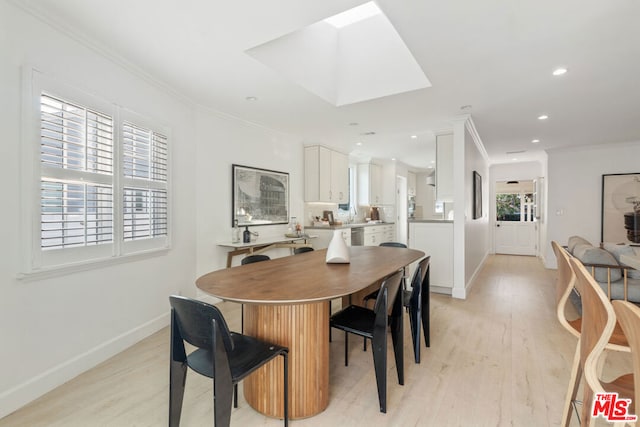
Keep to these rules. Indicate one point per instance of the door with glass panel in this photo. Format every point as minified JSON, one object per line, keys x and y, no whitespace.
{"x":516,"y":228}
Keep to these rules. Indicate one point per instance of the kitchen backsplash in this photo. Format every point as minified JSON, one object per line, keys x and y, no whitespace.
{"x":312,"y":210}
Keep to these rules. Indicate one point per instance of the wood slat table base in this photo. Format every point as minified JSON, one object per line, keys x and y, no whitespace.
{"x":297,"y":327}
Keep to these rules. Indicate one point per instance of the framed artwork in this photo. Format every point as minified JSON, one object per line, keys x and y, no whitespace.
{"x":259,"y":196}
{"x":477,"y":195}
{"x":621,"y":208}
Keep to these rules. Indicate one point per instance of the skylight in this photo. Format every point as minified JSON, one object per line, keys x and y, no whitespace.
{"x":354,"y":15}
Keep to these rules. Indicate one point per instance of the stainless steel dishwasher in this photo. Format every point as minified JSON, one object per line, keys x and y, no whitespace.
{"x":357,"y":236}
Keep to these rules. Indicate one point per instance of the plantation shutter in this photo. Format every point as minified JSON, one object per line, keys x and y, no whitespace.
{"x":76,"y":162}
{"x":145,"y":207}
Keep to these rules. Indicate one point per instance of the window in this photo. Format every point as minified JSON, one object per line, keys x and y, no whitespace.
{"x":76,"y":163}
{"x":102,"y":180}
{"x":514,"y":207}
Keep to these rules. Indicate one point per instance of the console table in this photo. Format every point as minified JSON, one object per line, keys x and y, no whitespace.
{"x":264,"y":244}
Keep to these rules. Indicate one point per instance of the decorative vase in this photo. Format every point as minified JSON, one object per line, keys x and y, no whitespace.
{"x":338,"y":251}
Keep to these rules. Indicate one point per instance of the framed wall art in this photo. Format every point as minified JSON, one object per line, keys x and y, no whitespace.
{"x":259,"y":196}
{"x":621,"y":208}
{"x":477,"y":195}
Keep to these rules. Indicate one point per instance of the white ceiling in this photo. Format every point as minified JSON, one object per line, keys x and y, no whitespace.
{"x":496,"y":56}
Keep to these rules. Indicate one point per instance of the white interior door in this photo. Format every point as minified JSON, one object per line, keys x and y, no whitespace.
{"x":515,"y":237}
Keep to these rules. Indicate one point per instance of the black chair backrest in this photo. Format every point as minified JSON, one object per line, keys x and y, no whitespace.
{"x":194,"y":319}
{"x":254,"y":258}
{"x":425,"y":270}
{"x":302,"y":250}
{"x":393,"y":244}
{"x":417,"y":281}
{"x":388,"y":293}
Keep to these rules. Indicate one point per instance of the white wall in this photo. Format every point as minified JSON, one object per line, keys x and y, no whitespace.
{"x":575,"y":189}
{"x":476,"y":231}
{"x":54,"y":328}
{"x":223,"y":141}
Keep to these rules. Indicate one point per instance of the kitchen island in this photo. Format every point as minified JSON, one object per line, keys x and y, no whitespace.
{"x":435,"y":237}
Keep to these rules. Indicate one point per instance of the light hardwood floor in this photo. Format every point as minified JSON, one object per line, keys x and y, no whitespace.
{"x":497,"y":358}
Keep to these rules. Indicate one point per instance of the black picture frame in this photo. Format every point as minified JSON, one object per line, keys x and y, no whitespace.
{"x":259,"y":196}
{"x":620,"y":215}
{"x":477,"y":195}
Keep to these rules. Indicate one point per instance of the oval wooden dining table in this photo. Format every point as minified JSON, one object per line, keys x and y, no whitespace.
{"x":287,"y":303}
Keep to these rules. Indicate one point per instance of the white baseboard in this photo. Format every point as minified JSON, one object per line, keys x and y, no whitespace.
{"x":446,"y":290}
{"x":20,"y":395}
{"x":473,"y":276}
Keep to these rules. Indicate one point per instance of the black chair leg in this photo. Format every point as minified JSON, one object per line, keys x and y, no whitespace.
{"x":222,"y":402}
{"x":235,"y":395}
{"x":177,"y":378}
{"x":346,"y":348}
{"x":285,"y":361}
{"x":379,"y":350}
{"x":425,"y":312}
{"x":397,"y":335}
{"x":414,"y":320}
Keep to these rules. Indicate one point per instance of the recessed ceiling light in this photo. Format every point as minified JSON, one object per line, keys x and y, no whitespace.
{"x":351,"y":16}
{"x":358,"y":143}
{"x":393,"y":158}
{"x":433,"y":161}
{"x":368,"y":133}
{"x":515,"y":159}
{"x":559,"y":71}
{"x":354,"y":124}
{"x":414,"y":136}
{"x":543,"y":117}
{"x":535,"y":141}
{"x":251,"y":98}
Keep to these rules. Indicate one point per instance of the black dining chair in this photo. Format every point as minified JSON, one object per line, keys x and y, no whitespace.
{"x":250,"y":259}
{"x":302,"y":250}
{"x":373,"y":295}
{"x":416,"y":301}
{"x":226,"y":357}
{"x":373,"y":325}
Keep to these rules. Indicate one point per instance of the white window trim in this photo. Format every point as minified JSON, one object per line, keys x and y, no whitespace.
{"x":38,"y":264}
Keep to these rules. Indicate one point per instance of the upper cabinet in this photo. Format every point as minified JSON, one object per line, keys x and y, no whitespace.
{"x":370,"y":184}
{"x":444,"y":168}
{"x":326,"y":175}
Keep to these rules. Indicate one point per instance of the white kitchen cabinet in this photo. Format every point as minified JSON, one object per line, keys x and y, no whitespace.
{"x":376,"y":234}
{"x":370,"y":184}
{"x":444,"y":168}
{"x":325,"y":236}
{"x":326,"y":175}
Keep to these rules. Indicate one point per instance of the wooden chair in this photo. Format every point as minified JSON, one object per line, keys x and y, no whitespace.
{"x":565,"y":285}
{"x":628,"y":316}
{"x":224,"y":356}
{"x":598,"y":324}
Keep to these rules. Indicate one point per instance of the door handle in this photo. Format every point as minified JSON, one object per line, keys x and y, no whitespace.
{"x":497,"y":225}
